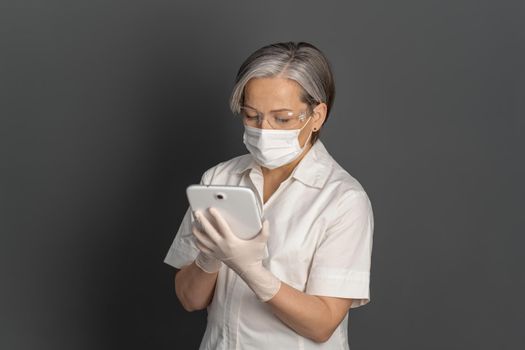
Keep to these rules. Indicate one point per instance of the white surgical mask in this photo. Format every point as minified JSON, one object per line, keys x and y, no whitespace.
{"x":273,"y":148}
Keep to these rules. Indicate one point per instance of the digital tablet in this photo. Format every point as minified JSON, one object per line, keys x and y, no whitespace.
{"x":238,"y":205}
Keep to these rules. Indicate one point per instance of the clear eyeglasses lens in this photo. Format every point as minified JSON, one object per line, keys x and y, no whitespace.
{"x":280,"y":120}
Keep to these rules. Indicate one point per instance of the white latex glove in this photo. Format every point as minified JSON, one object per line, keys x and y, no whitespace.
{"x":206,"y":262}
{"x":242,"y":256}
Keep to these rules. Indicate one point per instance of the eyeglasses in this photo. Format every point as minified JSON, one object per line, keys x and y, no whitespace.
{"x":277,"y":120}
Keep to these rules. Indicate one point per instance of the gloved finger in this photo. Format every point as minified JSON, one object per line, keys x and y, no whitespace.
{"x":195,"y":213}
{"x":213,"y":222}
{"x":197,"y":228}
{"x":204,"y":249}
{"x":264,"y":233}
{"x":208,"y":228}
{"x":202,"y":238}
{"x":222,"y":225}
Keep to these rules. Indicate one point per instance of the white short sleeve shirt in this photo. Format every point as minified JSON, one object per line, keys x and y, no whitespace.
{"x":321,"y":232}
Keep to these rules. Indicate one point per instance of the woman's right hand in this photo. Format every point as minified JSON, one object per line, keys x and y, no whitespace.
{"x":206,"y":262}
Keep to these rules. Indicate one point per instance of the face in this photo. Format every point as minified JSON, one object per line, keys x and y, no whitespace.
{"x":270,"y":94}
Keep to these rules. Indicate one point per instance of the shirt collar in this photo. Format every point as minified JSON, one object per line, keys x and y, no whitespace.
{"x":313,"y":170}
{"x":246,"y":163}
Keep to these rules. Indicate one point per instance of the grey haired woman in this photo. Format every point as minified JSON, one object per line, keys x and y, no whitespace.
{"x":290,"y":287}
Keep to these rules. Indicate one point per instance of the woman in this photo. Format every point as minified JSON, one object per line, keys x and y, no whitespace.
{"x":291,"y":286}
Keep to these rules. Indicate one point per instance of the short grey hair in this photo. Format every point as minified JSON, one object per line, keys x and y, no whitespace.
{"x":298,"y":61}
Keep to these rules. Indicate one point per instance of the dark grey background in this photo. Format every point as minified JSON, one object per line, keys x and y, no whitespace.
{"x":109,"y":109}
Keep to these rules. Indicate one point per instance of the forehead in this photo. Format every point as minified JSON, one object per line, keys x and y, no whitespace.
{"x":269,"y":93}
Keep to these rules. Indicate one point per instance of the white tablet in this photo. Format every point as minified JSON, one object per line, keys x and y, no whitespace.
{"x":238,"y":205}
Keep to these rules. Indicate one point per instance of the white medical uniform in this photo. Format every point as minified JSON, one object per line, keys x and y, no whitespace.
{"x":321,"y":228}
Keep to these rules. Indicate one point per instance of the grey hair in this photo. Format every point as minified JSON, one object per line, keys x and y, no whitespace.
{"x":298,"y":61}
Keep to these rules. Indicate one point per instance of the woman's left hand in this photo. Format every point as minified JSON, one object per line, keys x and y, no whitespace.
{"x":243,"y":256}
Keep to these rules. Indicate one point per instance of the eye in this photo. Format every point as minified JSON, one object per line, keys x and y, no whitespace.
{"x":249,"y":115}
{"x":282,"y":119}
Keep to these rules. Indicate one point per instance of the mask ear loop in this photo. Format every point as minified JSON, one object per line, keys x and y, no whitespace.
{"x":309,"y":136}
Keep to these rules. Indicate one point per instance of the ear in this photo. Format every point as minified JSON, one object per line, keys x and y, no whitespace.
{"x":319,"y":115}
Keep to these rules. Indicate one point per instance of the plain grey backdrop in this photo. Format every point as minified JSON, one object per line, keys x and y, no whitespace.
{"x":109,"y":109}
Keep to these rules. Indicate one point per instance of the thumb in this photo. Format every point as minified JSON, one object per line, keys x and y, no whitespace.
{"x":265,"y":231}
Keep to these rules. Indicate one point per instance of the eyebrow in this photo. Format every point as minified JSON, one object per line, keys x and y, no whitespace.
{"x":275,"y":110}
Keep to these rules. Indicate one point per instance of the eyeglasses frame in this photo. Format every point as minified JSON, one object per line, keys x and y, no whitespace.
{"x":260,"y":116}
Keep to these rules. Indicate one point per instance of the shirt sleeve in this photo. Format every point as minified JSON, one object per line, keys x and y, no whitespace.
{"x":341,"y":263}
{"x":184,"y":250}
